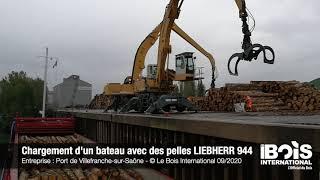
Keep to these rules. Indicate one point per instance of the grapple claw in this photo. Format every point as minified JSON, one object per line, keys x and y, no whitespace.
{"x":249,"y":54}
{"x":253,"y":51}
{"x":266,"y":60}
{"x":250,"y":51}
{"x":240,"y":57}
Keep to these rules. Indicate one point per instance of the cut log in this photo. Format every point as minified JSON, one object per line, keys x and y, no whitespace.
{"x":23,"y":175}
{"x":275,"y":95}
{"x":69,"y":173}
{"x":79,"y":173}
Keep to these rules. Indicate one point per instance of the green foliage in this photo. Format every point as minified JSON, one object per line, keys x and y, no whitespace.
{"x":176,"y":89}
{"x":201,"y":89}
{"x":188,"y":88}
{"x":316,"y":83}
{"x":19,"y":94}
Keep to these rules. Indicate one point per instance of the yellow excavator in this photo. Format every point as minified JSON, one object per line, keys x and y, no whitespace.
{"x":153,"y":93}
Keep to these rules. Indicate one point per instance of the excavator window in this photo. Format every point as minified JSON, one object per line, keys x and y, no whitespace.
{"x":180,"y":62}
{"x":190,"y":64}
{"x":185,"y":63}
{"x":127,"y":80}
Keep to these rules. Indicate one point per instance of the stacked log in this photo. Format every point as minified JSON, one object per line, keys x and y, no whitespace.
{"x":80,"y":174}
{"x":265,"y":96}
{"x":100,"y":101}
{"x":217,"y":100}
{"x":223,"y":101}
{"x":49,"y":139}
{"x":42,"y":173}
{"x":298,"y":96}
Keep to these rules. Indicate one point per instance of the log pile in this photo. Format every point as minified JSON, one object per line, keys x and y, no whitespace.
{"x":80,"y":174}
{"x":42,"y":173}
{"x":49,"y":139}
{"x":264,"y":96}
{"x":297,"y":96}
{"x":217,"y":100}
{"x":100,"y":101}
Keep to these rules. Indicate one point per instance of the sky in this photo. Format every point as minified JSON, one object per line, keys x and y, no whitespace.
{"x":97,"y":39}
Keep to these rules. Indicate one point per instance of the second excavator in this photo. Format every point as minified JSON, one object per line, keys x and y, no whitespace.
{"x":154,"y":93}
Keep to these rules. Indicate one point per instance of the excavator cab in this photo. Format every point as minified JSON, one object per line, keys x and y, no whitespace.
{"x":185,"y":68}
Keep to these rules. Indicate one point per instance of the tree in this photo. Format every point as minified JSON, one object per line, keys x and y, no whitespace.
{"x":190,"y":88}
{"x":316,"y":83}
{"x":176,"y":89}
{"x":201,"y":89}
{"x":187,"y":88}
{"x":19,"y":93}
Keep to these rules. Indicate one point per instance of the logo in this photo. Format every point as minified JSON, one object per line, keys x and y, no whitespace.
{"x":293,"y":155}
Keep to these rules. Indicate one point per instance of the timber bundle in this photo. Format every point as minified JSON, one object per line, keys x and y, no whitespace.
{"x":100,"y":101}
{"x":49,"y":139}
{"x":42,"y":173}
{"x":261,"y":96}
{"x":79,"y":174}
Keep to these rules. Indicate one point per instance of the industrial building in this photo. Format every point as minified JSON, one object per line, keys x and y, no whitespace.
{"x":72,"y":92}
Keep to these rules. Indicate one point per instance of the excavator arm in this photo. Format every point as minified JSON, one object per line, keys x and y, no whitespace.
{"x":163,"y":32}
{"x":250,"y":51}
{"x":139,"y":60}
{"x":239,"y":4}
{"x":164,"y":48}
{"x":187,"y":38}
{"x":148,"y":42}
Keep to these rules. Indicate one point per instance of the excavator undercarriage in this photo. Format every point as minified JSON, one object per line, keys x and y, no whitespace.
{"x":151,"y":100}
{"x":145,"y":102}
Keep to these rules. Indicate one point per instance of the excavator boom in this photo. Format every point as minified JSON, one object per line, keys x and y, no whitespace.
{"x":139,"y":60}
{"x":164,"y":48}
{"x":187,"y":38}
